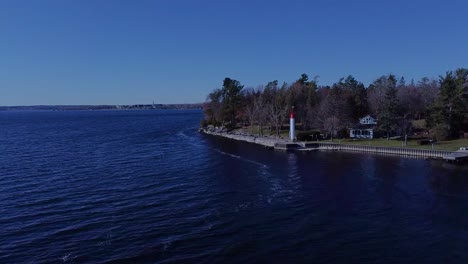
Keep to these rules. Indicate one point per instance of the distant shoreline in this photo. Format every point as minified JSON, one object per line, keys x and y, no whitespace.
{"x":102,"y":107}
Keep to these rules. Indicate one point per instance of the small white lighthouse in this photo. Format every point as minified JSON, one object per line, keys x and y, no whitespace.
{"x":292,"y":125}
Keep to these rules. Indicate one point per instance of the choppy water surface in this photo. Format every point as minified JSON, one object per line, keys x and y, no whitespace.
{"x":145,"y":187}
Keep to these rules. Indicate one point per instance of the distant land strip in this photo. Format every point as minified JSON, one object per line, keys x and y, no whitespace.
{"x":103,"y":107}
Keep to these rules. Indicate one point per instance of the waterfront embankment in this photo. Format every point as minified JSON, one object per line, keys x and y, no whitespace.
{"x":266,"y":141}
{"x":286,"y":145}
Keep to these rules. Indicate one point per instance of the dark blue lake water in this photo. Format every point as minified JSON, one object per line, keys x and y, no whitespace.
{"x":146,"y":187}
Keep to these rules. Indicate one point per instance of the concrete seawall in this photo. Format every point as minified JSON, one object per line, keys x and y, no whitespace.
{"x":439,"y":154}
{"x":286,"y":145}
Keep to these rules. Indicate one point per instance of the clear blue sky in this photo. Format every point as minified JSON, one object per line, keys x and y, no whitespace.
{"x":173,"y":51}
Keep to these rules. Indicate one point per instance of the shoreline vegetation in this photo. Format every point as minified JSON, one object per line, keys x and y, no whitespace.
{"x":428,"y":118}
{"x":427,"y":114}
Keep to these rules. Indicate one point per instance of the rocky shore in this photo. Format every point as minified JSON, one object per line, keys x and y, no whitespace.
{"x":240,"y":135}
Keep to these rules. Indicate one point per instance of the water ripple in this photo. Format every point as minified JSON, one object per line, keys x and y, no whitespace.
{"x":146,"y":187}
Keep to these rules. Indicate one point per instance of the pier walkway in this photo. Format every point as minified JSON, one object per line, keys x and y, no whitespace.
{"x":425,"y":153}
{"x":457,"y":156}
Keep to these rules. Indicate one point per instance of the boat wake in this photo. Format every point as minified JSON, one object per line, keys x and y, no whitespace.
{"x":242,"y":158}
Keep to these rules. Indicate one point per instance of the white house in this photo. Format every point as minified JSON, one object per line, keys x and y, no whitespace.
{"x":364,"y":129}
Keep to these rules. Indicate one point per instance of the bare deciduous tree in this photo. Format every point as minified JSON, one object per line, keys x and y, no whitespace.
{"x":332,"y":125}
{"x":277,"y":108}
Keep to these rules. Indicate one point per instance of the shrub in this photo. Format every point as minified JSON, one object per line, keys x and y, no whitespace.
{"x":424,"y":141}
{"x":204,"y":123}
{"x":343,"y":133}
{"x":306,"y":135}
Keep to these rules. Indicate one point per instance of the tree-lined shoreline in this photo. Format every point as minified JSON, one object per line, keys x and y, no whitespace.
{"x":440,"y":104}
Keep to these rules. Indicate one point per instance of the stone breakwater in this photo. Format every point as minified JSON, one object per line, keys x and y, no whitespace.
{"x":265,"y":141}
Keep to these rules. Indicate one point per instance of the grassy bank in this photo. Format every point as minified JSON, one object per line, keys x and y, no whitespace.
{"x":450,"y":145}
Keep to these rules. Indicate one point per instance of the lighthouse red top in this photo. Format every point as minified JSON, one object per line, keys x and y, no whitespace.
{"x":292,"y":114}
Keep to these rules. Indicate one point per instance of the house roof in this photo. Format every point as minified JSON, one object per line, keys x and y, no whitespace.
{"x":366,"y":116}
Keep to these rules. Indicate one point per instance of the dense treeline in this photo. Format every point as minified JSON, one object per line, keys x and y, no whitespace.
{"x":333,"y":109}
